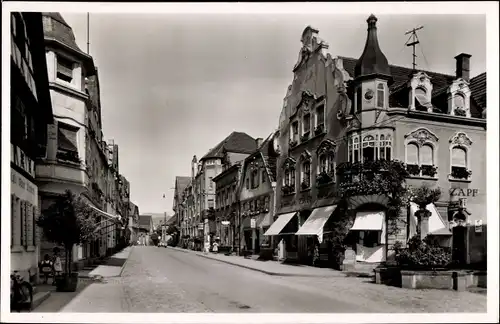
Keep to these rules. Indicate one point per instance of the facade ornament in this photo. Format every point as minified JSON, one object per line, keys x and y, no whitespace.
{"x":422,"y":135}
{"x":327,"y":146}
{"x":460,"y":138}
{"x":289,"y":163}
{"x":305,"y":156}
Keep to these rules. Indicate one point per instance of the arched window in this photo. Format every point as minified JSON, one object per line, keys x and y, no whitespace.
{"x":421,"y":98}
{"x":459,"y":108}
{"x":306,"y":175}
{"x":356,"y":155}
{"x":458,"y":157}
{"x":385,"y":147}
{"x":323,"y":166}
{"x":369,"y":148}
{"x":380,"y":96}
{"x":412,"y":154}
{"x":426,"y":155}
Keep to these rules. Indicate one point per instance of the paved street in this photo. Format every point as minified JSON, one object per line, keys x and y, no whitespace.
{"x":166,"y":280}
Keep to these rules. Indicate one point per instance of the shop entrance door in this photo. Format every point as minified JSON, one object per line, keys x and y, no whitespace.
{"x":257,"y":240}
{"x":459,"y":246}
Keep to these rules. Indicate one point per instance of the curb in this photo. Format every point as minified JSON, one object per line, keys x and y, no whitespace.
{"x":280,"y":274}
{"x":125,"y":263}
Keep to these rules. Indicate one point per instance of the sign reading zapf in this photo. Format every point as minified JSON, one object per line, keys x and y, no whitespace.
{"x":463,"y":192}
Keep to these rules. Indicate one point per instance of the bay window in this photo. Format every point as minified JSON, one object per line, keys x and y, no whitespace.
{"x":369,"y":147}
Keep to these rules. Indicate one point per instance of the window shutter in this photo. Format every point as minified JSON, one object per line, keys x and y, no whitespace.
{"x":23,"y":223}
{"x":67,"y":139}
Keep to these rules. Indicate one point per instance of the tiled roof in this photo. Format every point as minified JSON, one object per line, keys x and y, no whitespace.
{"x":54,"y":26}
{"x":477,"y":87}
{"x":270,"y":158}
{"x":236,"y":142}
{"x":181,"y":183}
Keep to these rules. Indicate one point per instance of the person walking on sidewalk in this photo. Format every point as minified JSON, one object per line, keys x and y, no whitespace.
{"x":57,"y":265}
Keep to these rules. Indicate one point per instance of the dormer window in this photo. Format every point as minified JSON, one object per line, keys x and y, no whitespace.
{"x":459,"y":98}
{"x":380,"y":95}
{"x":420,"y":92}
{"x":459,"y":105}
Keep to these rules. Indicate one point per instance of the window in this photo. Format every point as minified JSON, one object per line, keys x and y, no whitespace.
{"x":459,"y":101}
{"x":294,"y":132}
{"x":385,"y":147}
{"x":359,"y":100}
{"x":380,"y":96}
{"x":306,"y":175}
{"x":306,"y":126}
{"x":247,"y":183}
{"x":412,"y":154}
{"x":210,"y":183}
{"x":67,"y":145}
{"x":369,"y":148}
{"x":266,"y":202}
{"x":255,"y":178}
{"x":421,"y":98}
{"x":263,"y":176}
{"x":323,"y":167}
{"x":320,"y":115}
{"x":459,"y":168}
{"x":64,"y":69}
{"x":211,"y":203}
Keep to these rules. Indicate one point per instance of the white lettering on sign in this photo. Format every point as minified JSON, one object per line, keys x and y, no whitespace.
{"x":23,"y":188}
{"x":19,"y":158}
{"x":51,"y":132}
{"x":252,"y":223}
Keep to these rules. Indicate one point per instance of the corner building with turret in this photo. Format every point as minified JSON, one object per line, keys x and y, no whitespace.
{"x":341,"y":115}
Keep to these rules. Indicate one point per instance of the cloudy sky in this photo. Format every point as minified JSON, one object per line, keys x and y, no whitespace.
{"x":173,"y":86}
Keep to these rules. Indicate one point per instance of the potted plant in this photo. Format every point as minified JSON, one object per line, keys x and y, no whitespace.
{"x":68,"y":222}
{"x":429,"y":170}
{"x":423,"y":196}
{"x":413,"y":169}
{"x":460,"y":172}
{"x":323,"y":178}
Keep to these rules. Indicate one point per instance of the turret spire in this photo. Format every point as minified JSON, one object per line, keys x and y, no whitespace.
{"x":372,"y":61}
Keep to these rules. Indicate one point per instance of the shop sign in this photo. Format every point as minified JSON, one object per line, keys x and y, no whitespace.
{"x":23,"y":188}
{"x":252,"y":223}
{"x":463,"y":192}
{"x":479,"y":226}
{"x":19,"y":158}
{"x":225,"y":223}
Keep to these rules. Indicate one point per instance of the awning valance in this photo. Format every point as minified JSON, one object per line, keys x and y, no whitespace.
{"x":316,"y":221}
{"x":279,"y":224}
{"x":369,"y":221}
{"x":437,"y":226}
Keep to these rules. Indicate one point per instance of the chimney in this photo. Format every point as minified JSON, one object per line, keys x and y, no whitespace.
{"x":463,"y":66}
{"x":259,"y":141}
{"x":193,"y":167}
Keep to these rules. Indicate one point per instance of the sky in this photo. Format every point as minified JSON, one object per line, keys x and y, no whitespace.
{"x":174,"y":86}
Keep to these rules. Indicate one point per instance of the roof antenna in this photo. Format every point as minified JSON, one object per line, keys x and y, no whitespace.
{"x":414,"y":42}
{"x":88,"y":33}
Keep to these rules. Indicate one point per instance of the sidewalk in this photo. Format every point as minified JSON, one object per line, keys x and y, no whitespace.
{"x":273,"y":268}
{"x":112,"y":267}
{"x":55,"y":301}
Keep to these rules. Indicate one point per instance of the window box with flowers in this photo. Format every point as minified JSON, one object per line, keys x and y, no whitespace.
{"x":288,"y":189}
{"x":304,"y":137}
{"x":320,"y":129}
{"x":324,"y":178}
{"x":429,"y":170}
{"x":305,"y":185}
{"x":460,"y":173}
{"x":413,"y":169}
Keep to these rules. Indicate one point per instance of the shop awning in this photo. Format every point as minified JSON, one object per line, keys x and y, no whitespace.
{"x":437,"y":226}
{"x":279,"y":224}
{"x":316,"y":221}
{"x":369,"y":221}
{"x":112,"y":217}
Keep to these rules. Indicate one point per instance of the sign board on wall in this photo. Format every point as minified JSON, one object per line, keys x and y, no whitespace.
{"x":23,"y":188}
{"x":252,"y":223}
{"x":19,"y":158}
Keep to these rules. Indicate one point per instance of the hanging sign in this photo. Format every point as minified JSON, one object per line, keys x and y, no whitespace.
{"x":479,"y":226}
{"x":225,"y":223}
{"x":252,"y":223}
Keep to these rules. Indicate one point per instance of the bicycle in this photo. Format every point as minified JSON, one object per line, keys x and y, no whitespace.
{"x":21,"y":293}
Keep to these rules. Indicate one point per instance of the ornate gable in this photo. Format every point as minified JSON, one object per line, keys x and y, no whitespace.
{"x":420,"y":91}
{"x":421,"y":136}
{"x":459,"y":98}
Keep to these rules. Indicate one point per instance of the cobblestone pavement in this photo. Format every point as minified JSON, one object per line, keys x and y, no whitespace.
{"x":165,"y":280}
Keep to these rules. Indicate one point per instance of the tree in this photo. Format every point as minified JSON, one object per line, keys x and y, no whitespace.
{"x":67,"y":222}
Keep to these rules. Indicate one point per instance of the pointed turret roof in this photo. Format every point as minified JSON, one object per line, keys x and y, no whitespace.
{"x":372,"y":61}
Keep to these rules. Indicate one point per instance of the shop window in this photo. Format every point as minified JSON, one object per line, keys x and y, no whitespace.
{"x":64,"y":69}
{"x":369,"y":238}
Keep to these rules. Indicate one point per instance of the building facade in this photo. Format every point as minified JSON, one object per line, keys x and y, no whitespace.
{"x":256,"y":199}
{"x":31,"y":112}
{"x":342,"y":112}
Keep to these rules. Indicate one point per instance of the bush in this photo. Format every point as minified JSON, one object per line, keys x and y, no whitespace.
{"x":421,"y":254}
{"x":422,"y":196}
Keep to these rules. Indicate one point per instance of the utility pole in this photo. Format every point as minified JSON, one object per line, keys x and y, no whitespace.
{"x":414,"y":42}
{"x":88,"y":32}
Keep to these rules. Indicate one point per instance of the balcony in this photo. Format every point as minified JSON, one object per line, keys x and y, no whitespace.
{"x":371,"y":177}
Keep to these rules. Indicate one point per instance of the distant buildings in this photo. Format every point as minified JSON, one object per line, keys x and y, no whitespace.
{"x":145,"y":229}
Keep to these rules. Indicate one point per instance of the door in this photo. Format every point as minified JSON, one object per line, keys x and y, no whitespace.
{"x":257,"y":241}
{"x":459,"y":246}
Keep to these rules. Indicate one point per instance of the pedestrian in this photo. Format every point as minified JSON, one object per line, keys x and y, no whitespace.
{"x":215,"y":247}
{"x":46,"y":268}
{"x":57,"y":265}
